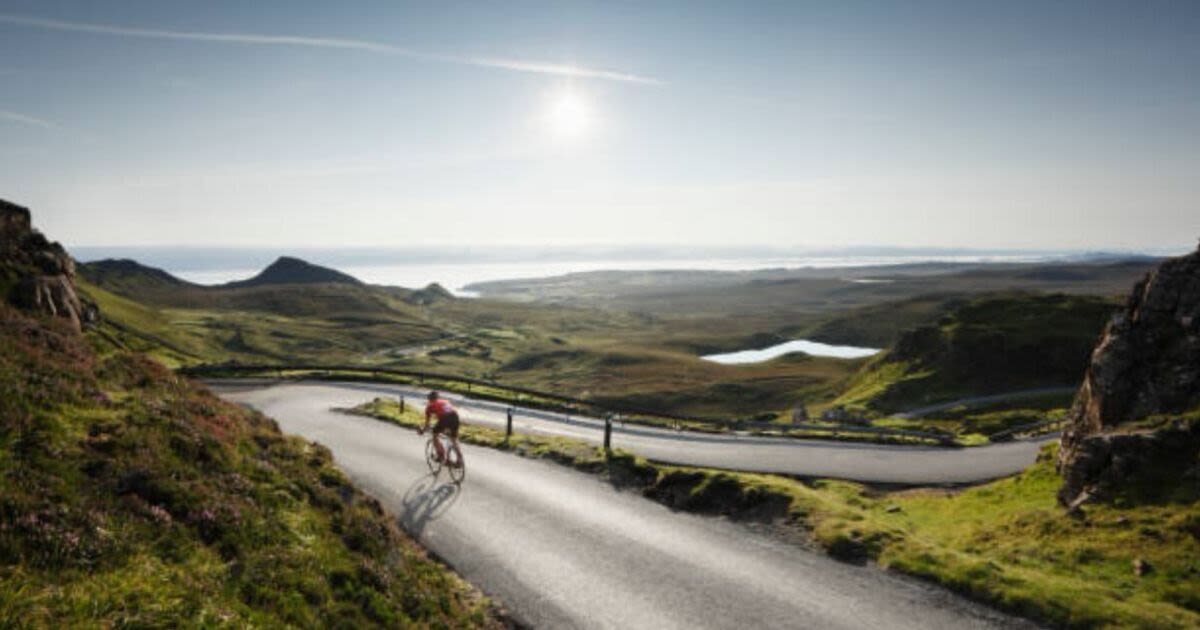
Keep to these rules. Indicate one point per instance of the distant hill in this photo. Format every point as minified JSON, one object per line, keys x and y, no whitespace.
{"x":291,"y":311}
{"x":122,"y":274}
{"x":987,"y":345}
{"x":288,"y":270}
{"x":289,"y":286}
{"x":808,"y":291}
{"x":432,"y":293}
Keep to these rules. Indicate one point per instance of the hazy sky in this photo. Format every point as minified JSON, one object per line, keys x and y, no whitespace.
{"x":980,"y":124}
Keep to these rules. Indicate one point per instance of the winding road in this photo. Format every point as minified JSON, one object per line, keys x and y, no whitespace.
{"x":865,"y":462}
{"x":562,"y":549}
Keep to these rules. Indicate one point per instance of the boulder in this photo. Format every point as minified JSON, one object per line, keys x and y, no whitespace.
{"x":1147,"y":363}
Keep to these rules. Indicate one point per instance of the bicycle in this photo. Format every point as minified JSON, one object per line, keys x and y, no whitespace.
{"x":454,"y":464}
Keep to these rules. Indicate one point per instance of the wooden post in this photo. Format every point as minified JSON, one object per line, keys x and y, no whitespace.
{"x":508,"y":429}
{"x":401,"y":404}
{"x":608,"y":433}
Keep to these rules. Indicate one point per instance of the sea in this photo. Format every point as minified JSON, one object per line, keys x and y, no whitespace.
{"x":456,"y":268}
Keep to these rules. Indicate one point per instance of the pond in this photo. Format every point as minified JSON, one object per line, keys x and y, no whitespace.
{"x":814,"y":348}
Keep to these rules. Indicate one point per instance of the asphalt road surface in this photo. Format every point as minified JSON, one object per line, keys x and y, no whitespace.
{"x":562,"y":549}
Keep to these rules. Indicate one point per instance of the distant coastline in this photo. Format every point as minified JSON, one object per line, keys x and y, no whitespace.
{"x":459,"y":267}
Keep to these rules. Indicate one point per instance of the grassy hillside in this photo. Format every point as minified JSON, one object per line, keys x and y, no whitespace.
{"x":988,"y":345}
{"x":880,"y":325}
{"x":631,"y":358}
{"x":133,"y":497}
{"x":183,"y":336}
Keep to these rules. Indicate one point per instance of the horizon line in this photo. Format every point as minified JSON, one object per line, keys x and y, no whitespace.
{"x":766,"y":249}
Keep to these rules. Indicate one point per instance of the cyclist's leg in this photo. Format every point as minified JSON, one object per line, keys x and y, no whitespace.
{"x":437,"y":445}
{"x":458,"y":458}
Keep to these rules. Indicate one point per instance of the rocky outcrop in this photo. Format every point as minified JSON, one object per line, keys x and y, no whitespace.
{"x":1147,"y":363}
{"x":39,"y":275}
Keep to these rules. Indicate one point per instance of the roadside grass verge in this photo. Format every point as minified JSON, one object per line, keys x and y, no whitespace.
{"x":976,"y":429}
{"x":1006,"y":543}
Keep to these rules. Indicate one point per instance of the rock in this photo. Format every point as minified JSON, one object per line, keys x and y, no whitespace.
{"x":1147,"y":362}
{"x":15,"y":223}
{"x":54,"y":295}
{"x":1075,"y":507}
{"x":41,"y":271}
{"x":1142,"y":567}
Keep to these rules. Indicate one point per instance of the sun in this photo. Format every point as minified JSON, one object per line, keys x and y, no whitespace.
{"x":569,"y":116}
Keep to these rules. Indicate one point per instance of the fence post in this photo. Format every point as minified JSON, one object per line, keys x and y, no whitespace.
{"x":608,"y":433}
{"x":401,"y":404}
{"x":508,"y":429}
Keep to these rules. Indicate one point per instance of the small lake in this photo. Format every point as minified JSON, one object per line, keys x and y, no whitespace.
{"x":814,"y":348}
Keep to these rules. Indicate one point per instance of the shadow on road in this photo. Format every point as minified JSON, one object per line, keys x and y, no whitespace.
{"x":426,"y":500}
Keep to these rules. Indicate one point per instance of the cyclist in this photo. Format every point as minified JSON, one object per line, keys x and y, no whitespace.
{"x":447,"y":422}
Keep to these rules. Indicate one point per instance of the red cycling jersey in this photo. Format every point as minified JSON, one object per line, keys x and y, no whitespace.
{"x":440,"y":407}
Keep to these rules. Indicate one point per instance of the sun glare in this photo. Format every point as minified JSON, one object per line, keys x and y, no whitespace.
{"x":568,"y":115}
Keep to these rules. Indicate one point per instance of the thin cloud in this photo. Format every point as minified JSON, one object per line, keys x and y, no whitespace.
{"x":28,"y":120}
{"x":329,"y":42}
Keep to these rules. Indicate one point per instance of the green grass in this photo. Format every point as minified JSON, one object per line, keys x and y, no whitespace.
{"x":876,"y":379}
{"x":1010,"y":542}
{"x":989,"y":345}
{"x":132,"y":497}
{"x":1007,"y":543}
{"x":191,"y":336}
{"x":973,"y":429}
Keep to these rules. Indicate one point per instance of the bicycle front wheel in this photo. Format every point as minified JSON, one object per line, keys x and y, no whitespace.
{"x":458,"y":468}
{"x":431,"y":457}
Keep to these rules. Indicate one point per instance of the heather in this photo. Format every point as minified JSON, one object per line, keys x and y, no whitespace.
{"x":131,"y":496}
